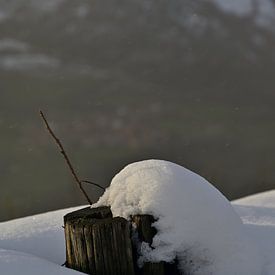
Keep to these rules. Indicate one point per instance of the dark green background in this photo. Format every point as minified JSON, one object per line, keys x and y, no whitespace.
{"x":126,"y":80}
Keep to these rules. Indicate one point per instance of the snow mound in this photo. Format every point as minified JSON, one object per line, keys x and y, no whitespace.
{"x":13,"y":262}
{"x":196,"y":223}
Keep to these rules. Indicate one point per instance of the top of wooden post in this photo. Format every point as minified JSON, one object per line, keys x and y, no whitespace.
{"x":89,"y":213}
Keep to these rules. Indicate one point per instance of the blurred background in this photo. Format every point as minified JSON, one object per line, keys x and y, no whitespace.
{"x":125,"y":80}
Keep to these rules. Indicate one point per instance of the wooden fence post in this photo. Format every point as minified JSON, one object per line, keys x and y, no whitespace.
{"x":98,"y":244}
{"x":146,"y":233}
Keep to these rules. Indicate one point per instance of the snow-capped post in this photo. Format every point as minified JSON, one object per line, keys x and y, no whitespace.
{"x":98,"y":244}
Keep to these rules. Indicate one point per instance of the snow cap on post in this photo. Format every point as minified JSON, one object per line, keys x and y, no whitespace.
{"x":195,"y":222}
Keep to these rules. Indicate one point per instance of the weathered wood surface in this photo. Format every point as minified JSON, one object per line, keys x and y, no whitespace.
{"x":98,"y":244}
{"x":146,"y":233}
{"x":142,"y":224}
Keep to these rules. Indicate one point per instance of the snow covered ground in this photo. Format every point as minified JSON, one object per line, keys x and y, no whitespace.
{"x":258,"y":215}
{"x":34,"y":245}
{"x":14,"y":262}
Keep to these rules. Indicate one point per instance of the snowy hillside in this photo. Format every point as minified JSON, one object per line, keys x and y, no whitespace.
{"x":70,"y":25}
{"x":263,"y":11}
{"x":191,"y":212}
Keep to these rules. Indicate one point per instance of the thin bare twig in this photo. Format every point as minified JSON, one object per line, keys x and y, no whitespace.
{"x":90,"y":182}
{"x":63,"y":152}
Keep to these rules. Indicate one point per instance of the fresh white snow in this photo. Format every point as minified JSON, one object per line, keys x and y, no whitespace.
{"x":264,"y":199}
{"x":41,"y":235}
{"x":204,"y":208}
{"x":13,"y":263}
{"x":258,"y":215}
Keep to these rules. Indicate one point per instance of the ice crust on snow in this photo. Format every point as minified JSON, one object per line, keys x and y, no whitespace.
{"x":196,"y":223}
